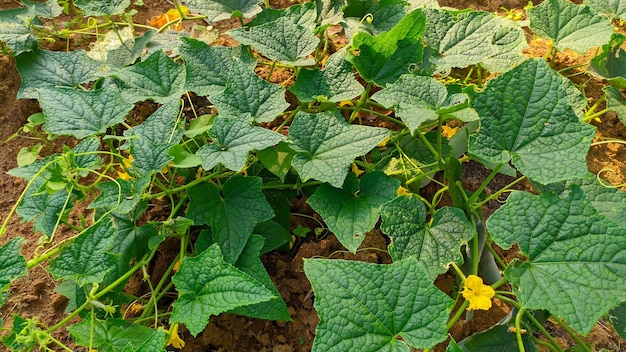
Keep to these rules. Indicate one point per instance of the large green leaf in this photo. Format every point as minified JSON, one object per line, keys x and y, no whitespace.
{"x":208,"y":66}
{"x":416,"y":98}
{"x":608,"y":201}
{"x":151,"y":140}
{"x":120,"y":195}
{"x":285,"y":38}
{"x":12,"y":262}
{"x":217,"y":10}
{"x":43,"y":68}
{"x":202,"y":292}
{"x":325,"y":145}
{"x":353,"y":210}
{"x":246,"y":92}
{"x":383,"y":58}
{"x":87,"y":259}
{"x":82,"y":113}
{"x":570,"y":26}
{"x":612,"y":8}
{"x":434,"y":244}
{"x":385,"y":14}
{"x":15,"y":27}
{"x":610,"y":64}
{"x":373,"y":307}
{"x":43,"y":208}
{"x":102,"y":7}
{"x":527,"y":118}
{"x":468,"y":38}
{"x":234,"y":138}
{"x":615,"y":102}
{"x":577,"y":262}
{"x":113,"y":335}
{"x":157,"y":77}
{"x":335,"y":83}
{"x":233,"y":216}
{"x":250,"y":263}
{"x":48,"y":9}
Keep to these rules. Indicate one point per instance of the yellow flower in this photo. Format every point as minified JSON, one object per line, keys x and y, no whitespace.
{"x":478,"y":294}
{"x":448,"y":132}
{"x":402,"y":191}
{"x":356,"y":169}
{"x":126,"y":163}
{"x":171,"y":15}
{"x":174,"y":340}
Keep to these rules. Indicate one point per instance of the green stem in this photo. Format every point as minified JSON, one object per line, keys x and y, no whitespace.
{"x":458,"y":271}
{"x":484,"y":185}
{"x":362,"y":100}
{"x":106,"y":290}
{"x":497,"y":194}
{"x":183,"y":187}
{"x":518,"y":329}
{"x":292,"y":186}
{"x":545,"y":344}
{"x":457,"y":315}
{"x":572,"y":333}
{"x":269,"y":75}
{"x":429,"y":146}
{"x":289,"y":118}
{"x":495,"y":255}
{"x":500,"y":283}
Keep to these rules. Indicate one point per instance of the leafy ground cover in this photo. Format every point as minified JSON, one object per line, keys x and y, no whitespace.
{"x":155,"y":211}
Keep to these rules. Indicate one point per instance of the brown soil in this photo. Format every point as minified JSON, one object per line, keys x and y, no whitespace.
{"x":34,"y":295}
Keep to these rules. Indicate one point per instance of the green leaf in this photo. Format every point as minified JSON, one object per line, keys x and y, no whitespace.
{"x":87,"y":259}
{"x":217,"y":10}
{"x":617,"y":317}
{"x":158,"y":78}
{"x":233,"y":216}
{"x":274,"y":234}
{"x":120,"y":196}
{"x":113,"y":335}
{"x":335,"y":83}
{"x":325,"y":145}
{"x":277,"y":160}
{"x":75,"y":294}
{"x":509,"y":40}
{"x":82,"y":113}
{"x":385,"y":14}
{"x":497,"y":338}
{"x":367,"y":307}
{"x":283,"y":39}
{"x":202,"y":293}
{"x":12,"y":262}
{"x":608,"y":201}
{"x":119,"y":48}
{"x":383,"y":58}
{"x":468,"y":38}
{"x":576,"y":256}
{"x":102,"y":7}
{"x":615,"y":102}
{"x":15,"y":27}
{"x":611,"y":8}
{"x":611,"y":62}
{"x":353,"y":210}
{"x":246,"y":92}
{"x":527,"y":118}
{"x":208,"y":66}
{"x":329,"y":11}
{"x":435,"y":244}
{"x":28,"y":155}
{"x":416,"y":98}
{"x":570,"y":26}
{"x":234,"y":138}
{"x":43,"y":68}
{"x":250,"y":263}
{"x":44,"y":208}
{"x":49,"y":9}
{"x":151,"y":141}
{"x":182,"y":158}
